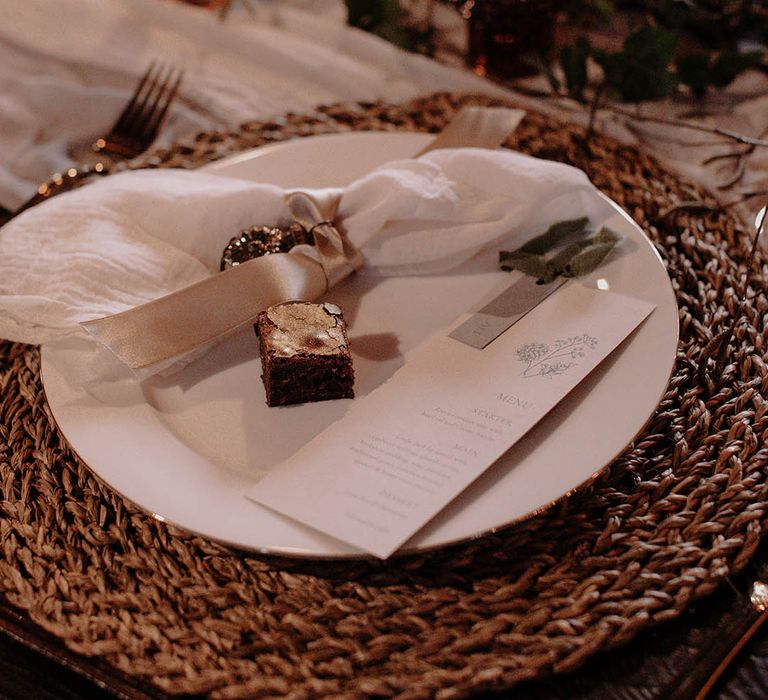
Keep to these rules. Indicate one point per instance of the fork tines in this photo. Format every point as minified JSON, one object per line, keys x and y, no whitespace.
{"x":138,"y":124}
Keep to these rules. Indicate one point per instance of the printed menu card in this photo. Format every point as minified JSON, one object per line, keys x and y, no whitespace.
{"x":403,"y":452}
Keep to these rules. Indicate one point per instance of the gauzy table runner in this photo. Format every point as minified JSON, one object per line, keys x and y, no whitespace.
{"x":67,"y":68}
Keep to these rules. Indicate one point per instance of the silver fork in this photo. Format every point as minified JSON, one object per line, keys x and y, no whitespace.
{"x":137,"y":126}
{"x":132,"y":133}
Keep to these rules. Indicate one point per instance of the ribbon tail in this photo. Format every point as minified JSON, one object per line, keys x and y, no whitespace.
{"x":477,"y":127}
{"x":178,"y":323}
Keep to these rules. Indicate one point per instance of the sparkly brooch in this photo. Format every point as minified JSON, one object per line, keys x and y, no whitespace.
{"x":263,"y":240}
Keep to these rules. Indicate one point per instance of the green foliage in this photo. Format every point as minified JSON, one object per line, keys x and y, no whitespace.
{"x":540,"y":63}
{"x":693,"y":70}
{"x":590,"y":255}
{"x":560,"y":233}
{"x":645,"y":67}
{"x":717,"y":24}
{"x":573,"y":60}
{"x":528,"y":263}
{"x":372,"y":14}
{"x":386,"y":19}
{"x":700,"y":70}
{"x":564,"y":249}
{"x":729,"y":64}
{"x":586,"y":10}
{"x":640,"y":71}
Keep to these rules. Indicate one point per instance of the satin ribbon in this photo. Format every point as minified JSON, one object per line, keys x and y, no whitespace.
{"x":151,"y":336}
{"x":479,"y":127}
{"x":317,"y":213}
{"x":203,"y":313}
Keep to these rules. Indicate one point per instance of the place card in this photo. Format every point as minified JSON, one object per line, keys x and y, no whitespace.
{"x":401,"y":454}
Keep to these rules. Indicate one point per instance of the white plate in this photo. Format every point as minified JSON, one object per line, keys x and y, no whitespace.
{"x":186,"y":448}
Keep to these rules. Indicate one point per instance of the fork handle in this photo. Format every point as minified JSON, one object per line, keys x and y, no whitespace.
{"x":61,"y":183}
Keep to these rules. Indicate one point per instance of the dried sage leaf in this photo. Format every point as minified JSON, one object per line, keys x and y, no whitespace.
{"x":606,"y":235}
{"x":560,"y":260}
{"x":557,"y":234}
{"x":574,"y":260}
{"x":528,"y":264}
{"x":587,"y":260}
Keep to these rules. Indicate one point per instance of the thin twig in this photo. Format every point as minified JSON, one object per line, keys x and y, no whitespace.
{"x":593,"y":109}
{"x":740,"y":166}
{"x":726,"y":133}
{"x":637,"y":130}
{"x":728,"y":155}
{"x":700,"y":205}
{"x":738,"y":174}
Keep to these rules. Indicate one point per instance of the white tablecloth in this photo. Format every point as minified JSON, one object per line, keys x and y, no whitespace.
{"x":67,"y":68}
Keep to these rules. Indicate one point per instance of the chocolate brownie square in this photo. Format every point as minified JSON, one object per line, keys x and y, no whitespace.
{"x":304,"y":353}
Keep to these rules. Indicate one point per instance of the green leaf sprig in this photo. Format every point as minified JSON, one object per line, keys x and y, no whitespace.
{"x":646,"y":67}
{"x":701,"y":70}
{"x":576,"y":253}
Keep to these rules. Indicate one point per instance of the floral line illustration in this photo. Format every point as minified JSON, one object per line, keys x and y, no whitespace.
{"x":549,"y":360}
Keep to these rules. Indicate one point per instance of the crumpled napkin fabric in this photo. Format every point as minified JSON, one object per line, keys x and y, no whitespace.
{"x":136,"y":236}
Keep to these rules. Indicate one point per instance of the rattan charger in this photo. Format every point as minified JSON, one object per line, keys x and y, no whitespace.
{"x":682,"y":508}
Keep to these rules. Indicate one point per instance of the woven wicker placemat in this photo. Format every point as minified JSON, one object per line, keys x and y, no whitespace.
{"x":682,"y":508}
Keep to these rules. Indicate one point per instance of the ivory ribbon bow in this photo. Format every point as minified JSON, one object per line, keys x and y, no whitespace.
{"x":151,"y":336}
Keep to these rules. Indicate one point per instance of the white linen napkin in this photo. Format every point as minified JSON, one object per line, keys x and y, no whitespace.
{"x":133,"y":237}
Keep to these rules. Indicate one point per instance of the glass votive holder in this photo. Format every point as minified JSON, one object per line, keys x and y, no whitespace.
{"x":505,"y":36}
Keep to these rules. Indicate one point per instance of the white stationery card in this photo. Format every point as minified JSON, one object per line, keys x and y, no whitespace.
{"x":402,"y":453}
